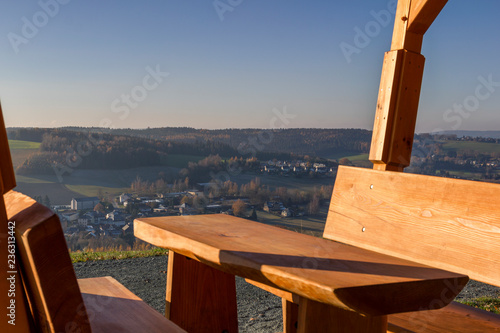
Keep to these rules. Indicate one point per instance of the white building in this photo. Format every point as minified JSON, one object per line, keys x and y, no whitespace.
{"x":84,"y":203}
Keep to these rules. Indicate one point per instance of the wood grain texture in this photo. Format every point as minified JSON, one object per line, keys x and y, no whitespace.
{"x":405,"y":111}
{"x":423,"y":13}
{"x":318,"y":317}
{"x":290,"y":316}
{"x":23,"y":318}
{"x":6,"y":168}
{"x":397,"y":107}
{"x":46,"y":264}
{"x":319,"y":269}
{"x":446,"y":223}
{"x":199,"y":297}
{"x":454,"y":318}
{"x":386,"y":102}
{"x":113,"y":308}
{"x":275,"y":291}
{"x":402,"y":38}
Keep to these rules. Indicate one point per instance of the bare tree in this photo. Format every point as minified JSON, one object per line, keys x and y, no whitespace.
{"x":239,"y":208}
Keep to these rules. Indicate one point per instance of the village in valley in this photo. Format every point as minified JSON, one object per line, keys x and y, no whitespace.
{"x":128,"y":174}
{"x":105,"y":221}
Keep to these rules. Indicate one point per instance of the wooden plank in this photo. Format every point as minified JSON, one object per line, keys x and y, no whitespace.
{"x":199,"y":297}
{"x":47,"y":269}
{"x":113,"y":308}
{"x":405,"y":113}
{"x":319,"y":269}
{"x":397,"y":108}
{"x":290,"y":316}
{"x":317,"y":317}
{"x":290,"y":305}
{"x":6,"y":168}
{"x":18,"y":313}
{"x":402,"y":38}
{"x":275,"y":291}
{"x":423,"y":13}
{"x":453,"y":318}
{"x":446,"y":223}
{"x":386,"y":104}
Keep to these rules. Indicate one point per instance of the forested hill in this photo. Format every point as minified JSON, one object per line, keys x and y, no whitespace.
{"x":300,"y":141}
{"x":64,"y":148}
{"x":94,"y":148}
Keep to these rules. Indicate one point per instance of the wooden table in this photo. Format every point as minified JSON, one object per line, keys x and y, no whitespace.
{"x":339,"y":285}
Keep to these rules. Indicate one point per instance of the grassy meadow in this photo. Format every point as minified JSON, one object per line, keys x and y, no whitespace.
{"x":19,"y":144}
{"x":480,"y":147}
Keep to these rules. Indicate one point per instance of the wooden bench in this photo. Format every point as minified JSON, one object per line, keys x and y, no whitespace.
{"x":395,"y":227}
{"x":58,"y":301}
{"x":445,"y":223}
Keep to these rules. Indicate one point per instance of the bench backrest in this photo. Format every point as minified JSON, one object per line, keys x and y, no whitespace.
{"x":445,"y":223}
{"x":51,"y":283}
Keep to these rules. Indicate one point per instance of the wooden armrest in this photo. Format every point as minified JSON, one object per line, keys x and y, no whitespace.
{"x":317,"y":269}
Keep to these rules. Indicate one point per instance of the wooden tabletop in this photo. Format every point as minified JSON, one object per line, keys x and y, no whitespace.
{"x":318,"y":269}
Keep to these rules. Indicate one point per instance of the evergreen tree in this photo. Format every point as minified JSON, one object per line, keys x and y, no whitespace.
{"x":253,"y":216}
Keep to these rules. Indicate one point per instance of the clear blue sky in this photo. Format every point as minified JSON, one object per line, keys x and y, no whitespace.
{"x":84,"y":56}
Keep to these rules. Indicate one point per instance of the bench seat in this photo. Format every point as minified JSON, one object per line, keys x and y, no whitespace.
{"x":455,"y":317}
{"x":113,"y":308}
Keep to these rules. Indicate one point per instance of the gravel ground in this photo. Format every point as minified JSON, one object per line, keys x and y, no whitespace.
{"x":258,"y":311}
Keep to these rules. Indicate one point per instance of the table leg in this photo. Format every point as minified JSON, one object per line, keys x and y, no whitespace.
{"x":200,"y":298}
{"x":290,"y":316}
{"x":319,"y":317}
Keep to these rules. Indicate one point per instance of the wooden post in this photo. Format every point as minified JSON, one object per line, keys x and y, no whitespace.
{"x":397,"y":106}
{"x":200,"y":298}
{"x":318,"y":317}
{"x":400,"y":84}
{"x":290,"y":316}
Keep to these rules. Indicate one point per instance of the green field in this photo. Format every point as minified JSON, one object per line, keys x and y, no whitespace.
{"x":359,"y":157}
{"x":21,"y":150}
{"x":311,"y":225}
{"x":93,"y":190}
{"x":467,"y":175}
{"x":33,"y":180}
{"x":18,"y":144}
{"x":337,"y":156}
{"x":480,"y":147}
{"x":291,"y":182}
{"x":181,"y":161}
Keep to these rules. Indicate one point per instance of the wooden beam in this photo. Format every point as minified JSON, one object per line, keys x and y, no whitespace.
{"x":397,"y":107}
{"x":399,"y":93}
{"x":200,"y":298}
{"x":6,"y":168}
{"x":318,"y":317}
{"x":423,"y":13}
{"x":402,"y":38}
{"x":290,"y":316}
